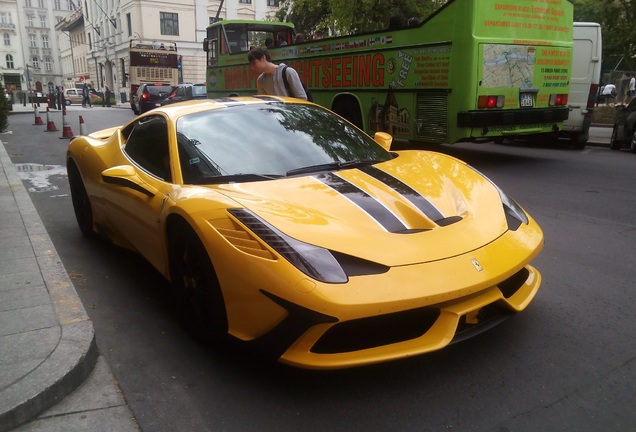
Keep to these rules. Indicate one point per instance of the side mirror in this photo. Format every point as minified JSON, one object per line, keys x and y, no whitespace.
{"x":206,"y":46}
{"x":384,"y":139}
{"x":125,"y":175}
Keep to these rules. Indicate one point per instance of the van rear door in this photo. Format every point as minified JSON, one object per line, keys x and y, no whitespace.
{"x":584,"y":81}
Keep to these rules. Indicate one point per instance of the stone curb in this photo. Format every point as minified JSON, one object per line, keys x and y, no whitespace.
{"x":75,"y":353}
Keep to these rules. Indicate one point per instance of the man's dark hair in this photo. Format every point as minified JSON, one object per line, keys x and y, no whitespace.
{"x":257,"y":53}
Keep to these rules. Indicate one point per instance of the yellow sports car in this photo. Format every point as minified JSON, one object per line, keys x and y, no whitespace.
{"x":285,"y":227}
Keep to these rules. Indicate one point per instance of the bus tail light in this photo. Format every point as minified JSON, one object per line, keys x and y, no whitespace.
{"x":490,"y":101}
{"x":558,"y":100}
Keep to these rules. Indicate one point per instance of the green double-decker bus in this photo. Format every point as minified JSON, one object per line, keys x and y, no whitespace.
{"x":475,"y":70}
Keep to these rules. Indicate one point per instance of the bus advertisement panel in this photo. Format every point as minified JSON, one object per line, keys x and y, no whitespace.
{"x":152,"y":62}
{"x":474,"y":70}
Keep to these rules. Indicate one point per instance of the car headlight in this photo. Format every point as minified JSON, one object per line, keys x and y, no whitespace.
{"x":314,"y":261}
{"x":515,"y":215}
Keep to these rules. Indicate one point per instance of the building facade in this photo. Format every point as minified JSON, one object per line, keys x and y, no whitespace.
{"x":29,"y":54}
{"x":94,"y":38}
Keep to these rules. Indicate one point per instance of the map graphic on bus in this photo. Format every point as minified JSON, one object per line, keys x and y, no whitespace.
{"x":508,"y":66}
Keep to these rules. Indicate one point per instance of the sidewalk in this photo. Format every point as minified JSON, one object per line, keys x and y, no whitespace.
{"x":52,"y":377}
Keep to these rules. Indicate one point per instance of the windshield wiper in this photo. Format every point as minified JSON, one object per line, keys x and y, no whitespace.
{"x":237,"y":178}
{"x":331,"y":166}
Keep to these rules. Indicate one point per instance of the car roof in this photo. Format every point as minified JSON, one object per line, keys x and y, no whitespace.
{"x":200,"y":105}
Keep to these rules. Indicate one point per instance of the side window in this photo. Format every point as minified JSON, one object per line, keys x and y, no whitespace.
{"x":148,"y":146}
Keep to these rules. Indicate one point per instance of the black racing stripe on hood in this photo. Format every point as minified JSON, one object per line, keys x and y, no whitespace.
{"x":363,"y":200}
{"x":414,"y":197}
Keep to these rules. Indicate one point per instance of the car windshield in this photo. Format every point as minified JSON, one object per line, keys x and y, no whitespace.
{"x":156,"y":90}
{"x":198,"y":90}
{"x":249,"y":142}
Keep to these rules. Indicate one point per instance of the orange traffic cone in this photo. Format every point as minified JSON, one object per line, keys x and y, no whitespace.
{"x":66,"y":128}
{"x":38,"y":119}
{"x":50,"y":125}
{"x":82,"y":131}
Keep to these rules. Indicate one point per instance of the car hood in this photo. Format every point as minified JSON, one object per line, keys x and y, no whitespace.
{"x":418,"y":207}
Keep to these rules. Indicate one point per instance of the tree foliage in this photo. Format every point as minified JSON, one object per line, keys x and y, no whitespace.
{"x":616,"y":17}
{"x":617,"y":20}
{"x":345,"y":16}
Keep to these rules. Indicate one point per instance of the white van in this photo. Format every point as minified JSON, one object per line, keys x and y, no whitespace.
{"x":584,"y":82}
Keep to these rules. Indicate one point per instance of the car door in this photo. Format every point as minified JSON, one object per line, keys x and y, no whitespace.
{"x":138,"y":198}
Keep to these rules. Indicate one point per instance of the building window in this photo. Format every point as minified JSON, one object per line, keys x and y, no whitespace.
{"x":129,"y":24}
{"x":70,"y":5}
{"x":9,"y":61}
{"x":273,"y":3}
{"x":30,"y":19}
{"x":35,"y":62}
{"x":245,"y":1}
{"x":5,"y":18}
{"x":57,"y":5}
{"x":45,"y":41}
{"x":33,"y":43}
{"x":169,"y":23}
{"x":7,"y":39}
{"x":48,"y":64}
{"x":43,"y":21}
{"x":41,"y":4}
{"x":27,"y":3}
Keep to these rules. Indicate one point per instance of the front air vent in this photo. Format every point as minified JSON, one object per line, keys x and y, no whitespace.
{"x":236,"y":235}
{"x":376,"y":331}
{"x":511,"y":285}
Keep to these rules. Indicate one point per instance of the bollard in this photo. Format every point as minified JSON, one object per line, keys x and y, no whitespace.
{"x":81,"y":122}
{"x":66,"y":128}
{"x":50,"y":125}
{"x":38,"y":119}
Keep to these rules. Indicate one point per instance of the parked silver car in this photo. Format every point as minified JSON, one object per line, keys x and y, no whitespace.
{"x":624,"y":133}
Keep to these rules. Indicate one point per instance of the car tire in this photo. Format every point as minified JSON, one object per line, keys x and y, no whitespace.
{"x":614,"y":142}
{"x":81,"y":203}
{"x":67,"y":102}
{"x":632,"y":143}
{"x":579,"y":140}
{"x":196,"y":289}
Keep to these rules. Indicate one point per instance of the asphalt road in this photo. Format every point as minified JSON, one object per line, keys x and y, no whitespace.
{"x":567,"y":363}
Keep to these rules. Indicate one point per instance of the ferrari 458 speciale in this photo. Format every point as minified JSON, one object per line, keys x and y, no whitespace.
{"x":283,"y":226}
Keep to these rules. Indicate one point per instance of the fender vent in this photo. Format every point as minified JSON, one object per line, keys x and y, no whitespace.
{"x":241,"y":239}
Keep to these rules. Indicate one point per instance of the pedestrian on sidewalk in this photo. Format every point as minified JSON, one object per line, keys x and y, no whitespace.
{"x":609,"y":93}
{"x":86,"y":96}
{"x":107,"y":96}
{"x":59,"y":94}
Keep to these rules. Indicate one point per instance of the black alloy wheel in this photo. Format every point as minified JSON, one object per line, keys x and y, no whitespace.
{"x":81,"y":202}
{"x":196,"y":289}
